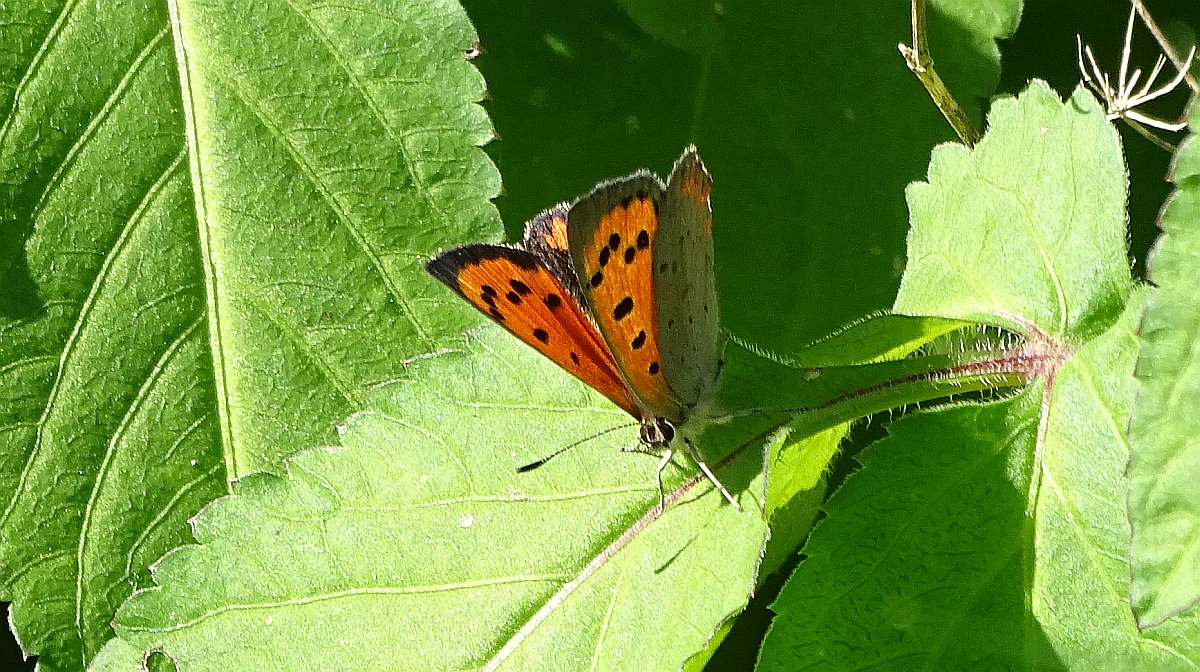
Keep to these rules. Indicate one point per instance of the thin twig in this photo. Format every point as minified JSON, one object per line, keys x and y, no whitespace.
{"x":918,"y":60}
{"x":1147,"y":134}
{"x":1166,"y":46}
{"x":1169,"y":50}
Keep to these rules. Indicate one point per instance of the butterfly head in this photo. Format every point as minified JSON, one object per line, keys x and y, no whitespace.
{"x":656,"y":432}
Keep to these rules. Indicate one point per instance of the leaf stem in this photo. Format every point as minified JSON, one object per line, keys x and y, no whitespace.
{"x":936,"y":377}
{"x":818,"y":398}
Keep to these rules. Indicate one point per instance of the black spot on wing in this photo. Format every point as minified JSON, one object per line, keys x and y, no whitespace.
{"x":630,"y":253}
{"x":597,"y":278}
{"x":639,"y":340}
{"x":643,"y":240}
{"x":552,"y":301}
{"x":541,"y":335}
{"x":623,"y":308}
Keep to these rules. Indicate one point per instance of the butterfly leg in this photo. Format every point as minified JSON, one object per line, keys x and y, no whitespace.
{"x":711,"y":476}
{"x":662,"y":464}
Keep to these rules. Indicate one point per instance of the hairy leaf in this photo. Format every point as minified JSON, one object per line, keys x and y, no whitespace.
{"x":994,"y":535}
{"x":422,"y":523}
{"x":1164,"y":501}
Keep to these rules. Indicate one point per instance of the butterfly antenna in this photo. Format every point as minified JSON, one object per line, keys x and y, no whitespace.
{"x":534,"y":465}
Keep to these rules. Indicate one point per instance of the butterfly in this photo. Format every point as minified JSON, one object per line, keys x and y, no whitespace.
{"x":617,"y":288}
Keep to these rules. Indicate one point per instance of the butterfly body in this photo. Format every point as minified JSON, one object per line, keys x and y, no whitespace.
{"x":617,"y":288}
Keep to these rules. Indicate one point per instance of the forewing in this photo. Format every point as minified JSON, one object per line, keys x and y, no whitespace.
{"x":689,"y":326}
{"x":510,"y":286}
{"x":546,"y":238}
{"x":611,"y":232}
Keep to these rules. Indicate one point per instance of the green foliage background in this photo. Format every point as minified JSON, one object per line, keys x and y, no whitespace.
{"x":810,"y":159}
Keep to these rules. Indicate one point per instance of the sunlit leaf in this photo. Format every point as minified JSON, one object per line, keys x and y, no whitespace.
{"x":993,"y":535}
{"x":1164,"y":501}
{"x":418,"y":546}
{"x":201,"y":273}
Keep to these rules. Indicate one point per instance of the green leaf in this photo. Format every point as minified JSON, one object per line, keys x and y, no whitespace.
{"x":969,"y":523}
{"x":1164,"y":502}
{"x":1028,"y":230}
{"x":804,"y":113}
{"x":963,"y":517}
{"x":1081,"y":538}
{"x":200,"y":277}
{"x":877,"y":338}
{"x":422,"y":523}
{"x":919,"y":563}
{"x":108,"y":382}
{"x":1186,"y":162}
{"x":117,"y":655}
{"x":798,"y":466}
{"x":325,"y":184}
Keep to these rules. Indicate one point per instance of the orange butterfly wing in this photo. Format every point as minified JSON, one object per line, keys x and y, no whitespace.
{"x":514,"y":288}
{"x":612,"y":233}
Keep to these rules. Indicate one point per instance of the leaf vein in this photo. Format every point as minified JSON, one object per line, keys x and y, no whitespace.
{"x":1035,"y":236}
{"x":344,"y":387}
{"x":154,"y":522}
{"x":350,"y":593}
{"x":35,"y":64}
{"x":26,"y":361}
{"x":608,"y":618}
{"x":98,"y":119}
{"x":505,"y":499}
{"x":76,"y":331}
{"x":417,"y":181}
{"x":114,"y":442}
